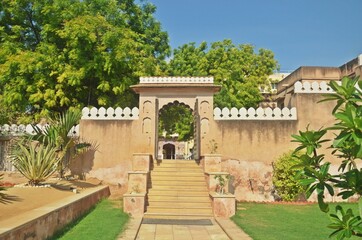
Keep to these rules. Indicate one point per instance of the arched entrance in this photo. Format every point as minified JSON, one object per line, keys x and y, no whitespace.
{"x":157,"y":92}
{"x":176,"y":126}
{"x":169,"y":151}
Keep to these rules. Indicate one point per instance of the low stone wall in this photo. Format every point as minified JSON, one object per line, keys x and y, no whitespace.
{"x":43,"y":222}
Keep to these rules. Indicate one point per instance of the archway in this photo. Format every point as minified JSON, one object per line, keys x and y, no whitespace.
{"x":156,"y":92}
{"x":169,"y":151}
{"x":176,"y":127}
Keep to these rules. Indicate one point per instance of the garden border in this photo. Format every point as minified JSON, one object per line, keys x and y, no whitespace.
{"x":43,"y":222}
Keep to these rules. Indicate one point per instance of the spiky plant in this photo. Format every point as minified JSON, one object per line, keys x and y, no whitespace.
{"x":58,"y":135}
{"x":35,"y":161}
{"x":1,"y":188}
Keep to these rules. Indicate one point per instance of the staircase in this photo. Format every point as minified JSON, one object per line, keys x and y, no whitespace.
{"x":177,"y":190}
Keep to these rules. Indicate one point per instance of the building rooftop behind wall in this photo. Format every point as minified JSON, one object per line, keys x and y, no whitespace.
{"x":308,"y":73}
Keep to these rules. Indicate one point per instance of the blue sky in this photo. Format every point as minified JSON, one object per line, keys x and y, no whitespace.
{"x":299,"y":32}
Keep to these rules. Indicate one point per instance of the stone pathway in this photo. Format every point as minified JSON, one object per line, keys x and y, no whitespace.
{"x":221,"y":229}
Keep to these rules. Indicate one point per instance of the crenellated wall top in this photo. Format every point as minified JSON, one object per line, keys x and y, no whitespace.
{"x":255,"y":114}
{"x":188,"y":80}
{"x":110,"y":113}
{"x":19,"y":130}
{"x":314,"y":87}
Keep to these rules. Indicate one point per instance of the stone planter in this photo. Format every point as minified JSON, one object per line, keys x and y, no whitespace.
{"x":134,"y":203}
{"x":212,"y":163}
{"x":223,"y":205}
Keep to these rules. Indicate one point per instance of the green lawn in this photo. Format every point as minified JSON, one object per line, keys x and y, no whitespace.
{"x":285,"y":222}
{"x":105,"y":221}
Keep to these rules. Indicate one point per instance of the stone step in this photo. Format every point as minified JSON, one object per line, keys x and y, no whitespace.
{"x":175,"y":173}
{"x":177,"y":178}
{"x":205,"y":210}
{"x":177,"y":192}
{"x":184,"y":198}
{"x":194,"y":187}
{"x":177,"y":204}
{"x":189,"y":164}
{"x":176,"y":183}
{"x":177,"y":216}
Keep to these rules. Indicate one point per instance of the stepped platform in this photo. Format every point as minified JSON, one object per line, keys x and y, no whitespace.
{"x":177,"y":190}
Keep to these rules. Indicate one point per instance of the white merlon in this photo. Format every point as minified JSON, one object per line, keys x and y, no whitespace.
{"x":110,"y":113}
{"x":176,"y":80}
{"x":255,"y":114}
{"x":18,"y":130}
{"x":314,"y":87}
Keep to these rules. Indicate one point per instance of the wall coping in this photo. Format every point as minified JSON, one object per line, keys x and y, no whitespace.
{"x":165,"y":80}
{"x":225,"y":195}
{"x":110,"y":113}
{"x":255,"y":114}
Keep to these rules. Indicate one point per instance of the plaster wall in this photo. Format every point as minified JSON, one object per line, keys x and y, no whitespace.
{"x":109,"y":159}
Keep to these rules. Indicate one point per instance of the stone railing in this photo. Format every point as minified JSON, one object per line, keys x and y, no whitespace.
{"x":18,"y":130}
{"x":110,"y":113}
{"x":255,"y":114}
{"x":314,"y":87}
{"x":176,"y":80}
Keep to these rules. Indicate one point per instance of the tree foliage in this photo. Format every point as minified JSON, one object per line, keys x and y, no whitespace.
{"x":73,"y":53}
{"x":176,"y":119}
{"x":238,"y":68}
{"x":347,"y":145}
{"x":284,"y":180}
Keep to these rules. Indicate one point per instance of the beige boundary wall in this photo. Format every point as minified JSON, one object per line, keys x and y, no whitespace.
{"x":43,"y":222}
{"x":248,"y":146}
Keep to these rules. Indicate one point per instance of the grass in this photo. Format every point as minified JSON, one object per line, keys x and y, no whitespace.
{"x":289,"y":222}
{"x":105,"y":221}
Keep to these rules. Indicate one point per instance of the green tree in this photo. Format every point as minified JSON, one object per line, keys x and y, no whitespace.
{"x":176,"y":119}
{"x":238,"y":68}
{"x":347,"y":145}
{"x":60,"y":54}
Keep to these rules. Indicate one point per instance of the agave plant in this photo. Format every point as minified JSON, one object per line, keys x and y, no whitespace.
{"x":35,"y":161}
{"x":1,"y":188}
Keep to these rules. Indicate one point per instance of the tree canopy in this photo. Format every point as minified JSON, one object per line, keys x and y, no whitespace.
{"x":238,"y":68}
{"x":56,"y":54}
{"x":176,"y":119}
{"x":61,"y":54}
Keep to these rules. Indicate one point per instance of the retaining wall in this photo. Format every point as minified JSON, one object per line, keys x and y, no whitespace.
{"x":43,"y":222}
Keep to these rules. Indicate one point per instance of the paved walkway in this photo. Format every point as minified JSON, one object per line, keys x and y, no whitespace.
{"x":221,"y":229}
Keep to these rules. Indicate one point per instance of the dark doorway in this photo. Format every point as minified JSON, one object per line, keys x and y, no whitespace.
{"x":169,"y":151}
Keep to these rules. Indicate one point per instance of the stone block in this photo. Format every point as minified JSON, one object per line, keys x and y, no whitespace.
{"x":223,"y":205}
{"x":141,"y":162}
{"x":137,"y":181}
{"x":134,"y":203}
{"x":212,"y":163}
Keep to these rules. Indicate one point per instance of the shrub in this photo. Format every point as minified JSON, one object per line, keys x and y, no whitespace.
{"x":287,"y":186}
{"x":36,"y":162}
